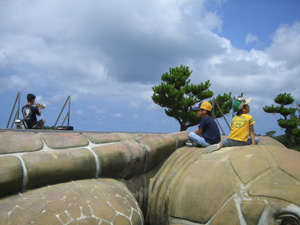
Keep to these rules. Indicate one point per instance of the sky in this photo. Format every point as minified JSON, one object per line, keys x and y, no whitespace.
{"x":108,"y":54}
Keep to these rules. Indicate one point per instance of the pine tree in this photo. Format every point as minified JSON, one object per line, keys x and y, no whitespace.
{"x":290,"y":121}
{"x":177,"y":95}
{"x":225,"y":103}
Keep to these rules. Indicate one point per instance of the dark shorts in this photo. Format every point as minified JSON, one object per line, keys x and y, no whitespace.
{"x":38,"y":125}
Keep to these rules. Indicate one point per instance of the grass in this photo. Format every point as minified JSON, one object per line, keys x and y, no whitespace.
{"x":297,"y":148}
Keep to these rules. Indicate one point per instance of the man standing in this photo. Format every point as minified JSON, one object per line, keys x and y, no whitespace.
{"x":30,"y":111}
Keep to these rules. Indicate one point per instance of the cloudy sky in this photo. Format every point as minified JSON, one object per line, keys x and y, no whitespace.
{"x":108,"y":54}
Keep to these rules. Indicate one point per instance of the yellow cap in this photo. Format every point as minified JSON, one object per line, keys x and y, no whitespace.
{"x":202,"y":105}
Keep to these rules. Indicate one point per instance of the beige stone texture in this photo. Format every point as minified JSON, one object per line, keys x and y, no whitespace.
{"x":130,"y":136}
{"x":98,"y":138}
{"x":61,"y":156}
{"x":170,"y":183}
{"x":234,"y":185}
{"x":114,"y":159}
{"x":78,"y":202}
{"x":269,"y":141}
{"x":252,"y":211}
{"x":14,"y":142}
{"x":227,"y":215}
{"x":64,"y":140}
{"x":138,"y":159}
{"x":122,"y":159}
{"x":58,"y":166}
{"x":11,"y":175}
{"x":181,"y":137}
{"x":158,"y":148}
{"x":287,"y":160}
{"x":287,"y":189}
{"x":246,"y":159}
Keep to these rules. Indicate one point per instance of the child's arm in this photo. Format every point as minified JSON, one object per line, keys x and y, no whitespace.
{"x":252,"y":134}
{"x":199,"y":131}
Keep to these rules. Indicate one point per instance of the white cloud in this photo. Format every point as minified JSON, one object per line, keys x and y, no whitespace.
{"x":99,"y":122}
{"x":92,"y":107}
{"x":118,"y":115}
{"x":212,"y":21}
{"x":134,"y":104}
{"x":100,"y":111}
{"x":250,"y":38}
{"x":154,"y":107}
{"x":285,"y":45}
{"x":108,"y":53}
{"x":260,"y":74}
{"x":13,"y":82}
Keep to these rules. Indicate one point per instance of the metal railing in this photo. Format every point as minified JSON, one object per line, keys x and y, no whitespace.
{"x":213,"y":116}
{"x":68,"y":113}
{"x":17,"y":103}
{"x":15,"y":112}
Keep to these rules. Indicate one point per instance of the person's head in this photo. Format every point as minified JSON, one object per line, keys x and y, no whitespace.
{"x":241,"y":106}
{"x":202,"y":109}
{"x":30,"y":98}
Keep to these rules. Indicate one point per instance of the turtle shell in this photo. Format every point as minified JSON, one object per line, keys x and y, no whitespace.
{"x":236,"y":185}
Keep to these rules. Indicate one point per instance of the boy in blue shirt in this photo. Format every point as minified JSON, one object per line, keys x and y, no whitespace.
{"x":208,"y":131}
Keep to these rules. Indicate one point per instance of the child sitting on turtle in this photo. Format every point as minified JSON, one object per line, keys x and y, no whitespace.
{"x":208,"y":131}
{"x":241,"y":126}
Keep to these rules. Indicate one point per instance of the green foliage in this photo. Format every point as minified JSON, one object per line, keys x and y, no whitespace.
{"x":48,"y":128}
{"x":225,"y":103}
{"x":290,"y":121}
{"x":284,"y":99}
{"x":289,"y":124}
{"x":177,"y":95}
{"x":270,"y":133}
{"x":285,"y":112}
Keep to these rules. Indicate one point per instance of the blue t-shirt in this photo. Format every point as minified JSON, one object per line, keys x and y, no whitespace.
{"x":210,"y":130}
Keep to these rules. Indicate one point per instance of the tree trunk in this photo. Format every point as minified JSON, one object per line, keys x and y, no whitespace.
{"x":183,"y":127}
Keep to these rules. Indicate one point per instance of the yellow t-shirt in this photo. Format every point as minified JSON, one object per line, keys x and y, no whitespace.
{"x":240,"y":127}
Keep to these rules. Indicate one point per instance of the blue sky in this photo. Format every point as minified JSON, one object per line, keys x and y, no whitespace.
{"x":108,"y":54}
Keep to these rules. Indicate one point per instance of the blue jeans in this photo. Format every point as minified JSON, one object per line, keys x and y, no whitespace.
{"x":198,"y":139}
{"x":230,"y":142}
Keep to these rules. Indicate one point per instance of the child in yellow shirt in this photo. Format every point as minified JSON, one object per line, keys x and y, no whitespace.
{"x":241,"y":127}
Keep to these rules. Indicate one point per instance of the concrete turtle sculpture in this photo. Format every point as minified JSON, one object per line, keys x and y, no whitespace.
{"x":237,"y":185}
{"x":122,"y":178}
{"x":93,"y":201}
{"x":78,"y":178}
